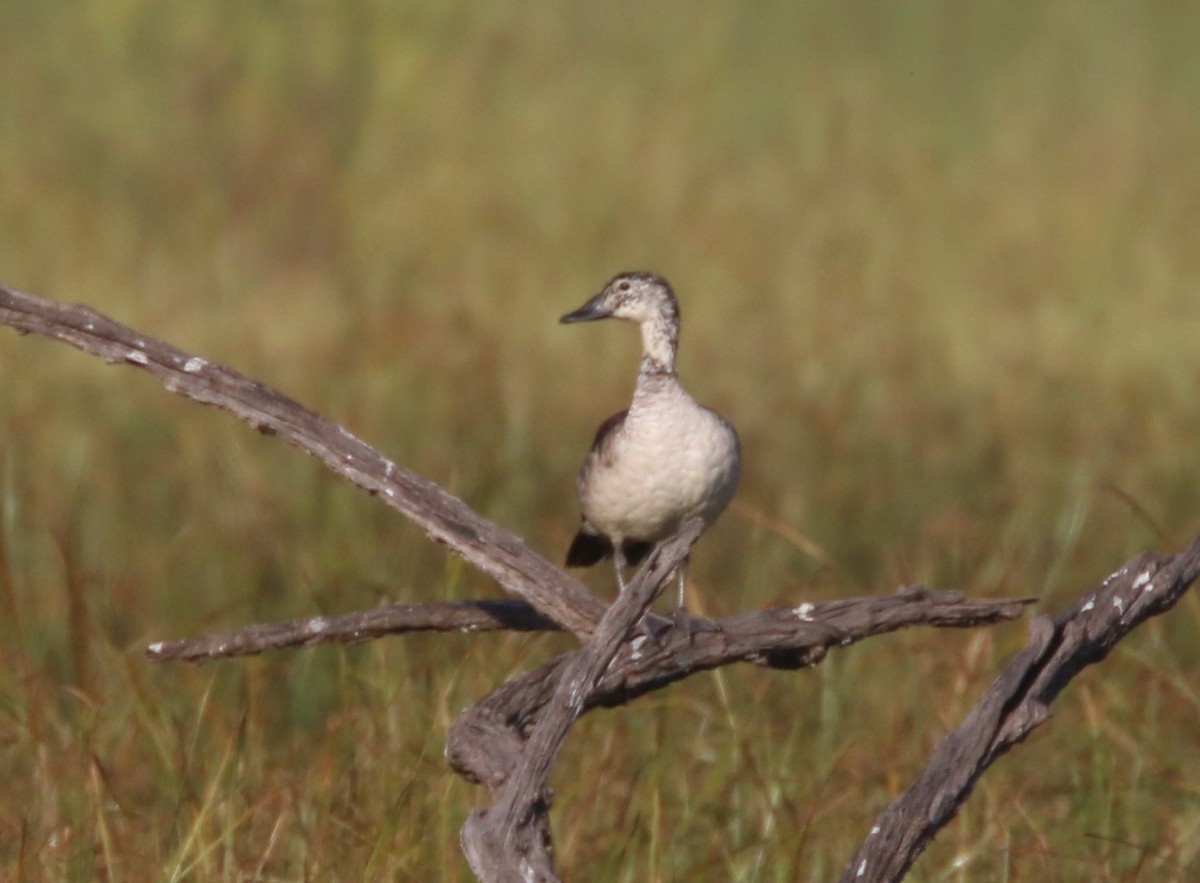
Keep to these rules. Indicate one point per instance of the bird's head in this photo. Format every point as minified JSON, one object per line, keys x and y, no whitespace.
{"x":636,"y":297}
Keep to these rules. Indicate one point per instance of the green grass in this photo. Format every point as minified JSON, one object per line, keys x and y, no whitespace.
{"x":940,"y":264}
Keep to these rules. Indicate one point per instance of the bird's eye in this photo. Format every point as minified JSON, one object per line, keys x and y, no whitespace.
{"x":624,"y":286}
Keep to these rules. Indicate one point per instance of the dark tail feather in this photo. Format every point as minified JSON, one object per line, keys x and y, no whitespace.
{"x":586,"y":549}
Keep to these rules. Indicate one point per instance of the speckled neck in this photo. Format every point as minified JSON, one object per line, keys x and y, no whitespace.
{"x":660,"y":342}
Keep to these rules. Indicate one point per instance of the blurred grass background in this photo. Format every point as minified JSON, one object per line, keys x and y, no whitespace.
{"x":939,"y":263}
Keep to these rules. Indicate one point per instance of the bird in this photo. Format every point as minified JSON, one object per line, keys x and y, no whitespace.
{"x":663,"y":460}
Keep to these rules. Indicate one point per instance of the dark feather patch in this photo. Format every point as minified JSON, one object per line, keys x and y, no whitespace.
{"x":586,"y":549}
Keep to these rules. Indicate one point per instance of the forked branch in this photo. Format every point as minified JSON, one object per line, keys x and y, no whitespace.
{"x":497,"y":552}
{"x":510,"y":843}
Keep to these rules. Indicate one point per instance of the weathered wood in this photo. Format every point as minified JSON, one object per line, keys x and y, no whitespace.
{"x":511,"y":843}
{"x":1017,"y":702}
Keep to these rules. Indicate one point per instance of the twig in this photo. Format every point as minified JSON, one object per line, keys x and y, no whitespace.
{"x":354,"y":628}
{"x":1017,"y":702}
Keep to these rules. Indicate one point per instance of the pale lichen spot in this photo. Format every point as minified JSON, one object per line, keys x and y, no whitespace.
{"x":575,"y":699}
{"x":529,"y":874}
{"x":137,"y":357}
{"x":1088,"y":606}
{"x":862,"y":869}
{"x":156,"y":647}
{"x":1143,"y":580}
{"x":194,"y":364}
{"x":1119,"y":603}
{"x":804,"y":611}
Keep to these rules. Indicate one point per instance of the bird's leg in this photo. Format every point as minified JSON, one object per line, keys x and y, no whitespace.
{"x":681,"y":575}
{"x":680,"y":615}
{"x":618,"y":557}
{"x":642,"y":627}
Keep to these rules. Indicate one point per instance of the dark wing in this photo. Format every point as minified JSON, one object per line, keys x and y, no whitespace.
{"x":587,"y":548}
{"x":606,"y":434}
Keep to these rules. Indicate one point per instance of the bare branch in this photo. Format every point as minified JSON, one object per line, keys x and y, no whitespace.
{"x":777,"y":637}
{"x":497,"y":552}
{"x":1017,"y":702}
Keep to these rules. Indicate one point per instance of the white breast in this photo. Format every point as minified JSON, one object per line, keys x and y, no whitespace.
{"x":670,"y":460}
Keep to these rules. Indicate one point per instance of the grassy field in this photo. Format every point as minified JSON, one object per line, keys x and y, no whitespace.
{"x":940,"y":263}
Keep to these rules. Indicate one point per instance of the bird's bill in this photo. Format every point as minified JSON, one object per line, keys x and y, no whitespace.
{"x":593,"y":309}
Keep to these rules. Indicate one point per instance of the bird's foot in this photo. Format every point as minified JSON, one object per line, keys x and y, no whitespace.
{"x":693,"y":626}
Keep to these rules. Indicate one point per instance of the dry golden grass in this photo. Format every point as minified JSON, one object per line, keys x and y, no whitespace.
{"x":940,"y":265}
